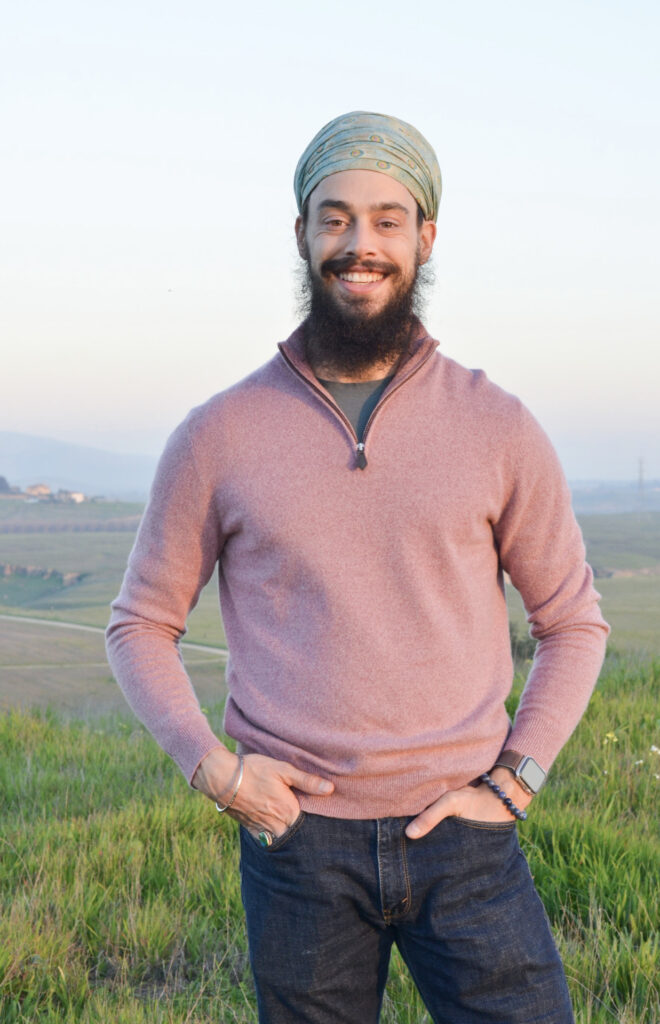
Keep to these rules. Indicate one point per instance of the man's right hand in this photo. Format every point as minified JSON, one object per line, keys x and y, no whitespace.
{"x":265,"y":800}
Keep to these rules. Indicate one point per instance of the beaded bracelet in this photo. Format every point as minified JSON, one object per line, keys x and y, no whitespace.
{"x":506,"y":800}
{"x":221,"y":810}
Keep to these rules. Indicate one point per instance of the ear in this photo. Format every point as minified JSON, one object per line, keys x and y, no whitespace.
{"x":300,"y":238}
{"x":427,"y":234}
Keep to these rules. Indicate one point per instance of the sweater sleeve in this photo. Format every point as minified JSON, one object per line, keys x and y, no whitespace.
{"x":175,"y":551}
{"x":541,"y":548}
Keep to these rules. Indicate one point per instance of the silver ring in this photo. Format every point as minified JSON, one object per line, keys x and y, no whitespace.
{"x":265,"y":838}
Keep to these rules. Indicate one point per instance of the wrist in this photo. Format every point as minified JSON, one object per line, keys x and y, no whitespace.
{"x":526,"y":771}
{"x":507,"y":780}
{"x":216,"y":772}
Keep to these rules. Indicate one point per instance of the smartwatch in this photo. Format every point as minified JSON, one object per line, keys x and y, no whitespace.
{"x":526,"y":771}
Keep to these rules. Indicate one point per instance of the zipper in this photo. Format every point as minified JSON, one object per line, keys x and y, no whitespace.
{"x":360,"y":452}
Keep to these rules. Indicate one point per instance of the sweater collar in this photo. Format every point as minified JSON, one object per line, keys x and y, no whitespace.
{"x":422,"y":346}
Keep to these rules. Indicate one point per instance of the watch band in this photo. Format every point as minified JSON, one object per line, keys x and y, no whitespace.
{"x":527,"y":772}
{"x":509,"y":759}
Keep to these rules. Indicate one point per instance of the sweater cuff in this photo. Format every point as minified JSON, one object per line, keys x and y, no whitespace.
{"x":191,"y":747}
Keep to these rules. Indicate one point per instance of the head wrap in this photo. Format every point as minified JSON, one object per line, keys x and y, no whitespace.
{"x":372,"y":142}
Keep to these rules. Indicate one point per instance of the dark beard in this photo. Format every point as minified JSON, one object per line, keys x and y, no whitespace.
{"x":348,"y":340}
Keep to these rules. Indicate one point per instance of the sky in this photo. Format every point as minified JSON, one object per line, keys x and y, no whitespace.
{"x":147,"y":152}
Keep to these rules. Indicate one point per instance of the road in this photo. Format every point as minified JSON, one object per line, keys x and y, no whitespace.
{"x":219,"y":651}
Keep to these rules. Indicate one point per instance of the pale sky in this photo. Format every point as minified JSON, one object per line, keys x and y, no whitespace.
{"x":147,"y":152}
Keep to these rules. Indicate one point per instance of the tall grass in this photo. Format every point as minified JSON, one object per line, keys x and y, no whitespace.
{"x":119,"y":892}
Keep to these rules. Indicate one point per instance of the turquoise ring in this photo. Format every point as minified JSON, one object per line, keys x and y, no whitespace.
{"x":266,"y":839}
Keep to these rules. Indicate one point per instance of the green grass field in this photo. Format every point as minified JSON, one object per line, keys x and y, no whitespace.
{"x":118,"y":887}
{"x":24,"y":513}
{"x":119,"y":890}
{"x":627,"y":543}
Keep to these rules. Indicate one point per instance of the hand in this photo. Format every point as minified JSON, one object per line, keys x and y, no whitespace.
{"x":265,"y":799}
{"x":476,"y":802}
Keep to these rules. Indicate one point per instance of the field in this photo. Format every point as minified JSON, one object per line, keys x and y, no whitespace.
{"x":118,"y":887}
{"x":43,"y":665}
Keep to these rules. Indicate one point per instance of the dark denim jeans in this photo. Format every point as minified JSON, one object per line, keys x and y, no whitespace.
{"x":325,"y":903}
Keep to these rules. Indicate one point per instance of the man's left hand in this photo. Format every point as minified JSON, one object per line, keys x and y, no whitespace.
{"x":477,"y":803}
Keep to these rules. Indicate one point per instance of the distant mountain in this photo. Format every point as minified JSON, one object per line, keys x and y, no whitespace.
{"x":602,"y":497}
{"x":26,"y":460}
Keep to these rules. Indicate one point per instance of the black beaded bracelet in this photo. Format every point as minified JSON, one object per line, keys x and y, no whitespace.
{"x":506,"y":800}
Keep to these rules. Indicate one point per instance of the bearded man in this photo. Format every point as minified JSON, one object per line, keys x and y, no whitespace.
{"x":362,"y":496}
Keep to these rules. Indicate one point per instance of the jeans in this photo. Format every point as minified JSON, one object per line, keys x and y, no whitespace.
{"x":326,"y":901}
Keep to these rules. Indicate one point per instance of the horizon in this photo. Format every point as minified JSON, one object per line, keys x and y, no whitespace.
{"x":624,"y":482}
{"x":148,"y":259}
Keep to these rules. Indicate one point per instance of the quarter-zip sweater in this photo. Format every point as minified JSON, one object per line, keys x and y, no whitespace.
{"x":364,"y":608}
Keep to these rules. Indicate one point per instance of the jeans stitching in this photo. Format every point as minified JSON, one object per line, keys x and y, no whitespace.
{"x":282,"y":840}
{"x":486,"y":826}
{"x":428,"y":933}
{"x":286,"y":836}
{"x":387,"y":917}
{"x":404,"y":861}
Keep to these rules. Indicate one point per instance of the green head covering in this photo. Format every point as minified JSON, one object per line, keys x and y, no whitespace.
{"x":372,"y":142}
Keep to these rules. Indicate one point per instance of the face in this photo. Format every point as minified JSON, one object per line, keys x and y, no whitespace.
{"x":362,"y":240}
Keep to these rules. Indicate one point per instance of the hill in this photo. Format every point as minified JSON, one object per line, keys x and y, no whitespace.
{"x":26,"y":459}
{"x":607,"y":497}
{"x":119,"y":893}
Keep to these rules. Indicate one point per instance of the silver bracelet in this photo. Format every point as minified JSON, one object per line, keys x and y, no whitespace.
{"x":221,"y":810}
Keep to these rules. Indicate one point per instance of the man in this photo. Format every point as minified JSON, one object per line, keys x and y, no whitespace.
{"x":362,"y":497}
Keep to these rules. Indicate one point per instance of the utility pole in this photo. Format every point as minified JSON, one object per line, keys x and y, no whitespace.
{"x":640,"y":485}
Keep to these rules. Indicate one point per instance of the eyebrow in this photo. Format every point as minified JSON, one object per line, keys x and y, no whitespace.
{"x":339,"y":204}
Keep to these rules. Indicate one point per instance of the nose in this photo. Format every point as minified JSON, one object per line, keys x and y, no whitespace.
{"x":361,"y":240}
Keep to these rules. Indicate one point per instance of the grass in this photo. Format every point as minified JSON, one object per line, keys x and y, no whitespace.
{"x":631,"y":605}
{"x":628,"y":540}
{"x":45,"y":665}
{"x":101,"y":558}
{"x":118,"y":887}
{"x":47,"y":514}
{"x":119,"y":895}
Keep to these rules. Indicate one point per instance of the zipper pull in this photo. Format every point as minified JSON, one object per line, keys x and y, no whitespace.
{"x":360,"y":457}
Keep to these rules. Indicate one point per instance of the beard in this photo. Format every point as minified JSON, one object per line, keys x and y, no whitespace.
{"x":346,"y":338}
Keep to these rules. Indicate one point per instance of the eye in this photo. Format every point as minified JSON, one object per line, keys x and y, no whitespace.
{"x":334,"y":223}
{"x":388,"y":224}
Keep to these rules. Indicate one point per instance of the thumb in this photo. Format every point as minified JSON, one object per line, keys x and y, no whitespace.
{"x":443,"y":807}
{"x":308,"y":783}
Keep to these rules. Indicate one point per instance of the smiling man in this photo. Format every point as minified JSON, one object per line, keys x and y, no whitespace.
{"x":361,"y":497}
{"x":363,"y":237}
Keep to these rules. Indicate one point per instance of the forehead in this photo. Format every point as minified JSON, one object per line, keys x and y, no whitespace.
{"x":361,"y":190}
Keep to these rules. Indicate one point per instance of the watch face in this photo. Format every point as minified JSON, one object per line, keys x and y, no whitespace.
{"x":531,"y":774}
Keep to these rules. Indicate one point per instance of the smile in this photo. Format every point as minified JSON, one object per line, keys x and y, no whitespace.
{"x":360,"y":276}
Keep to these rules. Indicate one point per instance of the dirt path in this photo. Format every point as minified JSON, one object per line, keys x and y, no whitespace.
{"x":220,"y":652}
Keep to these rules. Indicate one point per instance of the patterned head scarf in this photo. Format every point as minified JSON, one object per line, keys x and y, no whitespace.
{"x":371,"y":142}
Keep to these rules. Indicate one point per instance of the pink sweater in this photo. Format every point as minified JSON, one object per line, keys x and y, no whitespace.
{"x":364,"y":609}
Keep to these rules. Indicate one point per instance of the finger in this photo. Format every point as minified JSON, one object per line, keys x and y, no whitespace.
{"x":266,"y":837}
{"x":306,"y":782}
{"x":430,"y":816}
{"x":277,"y":823}
{"x":256,"y":822}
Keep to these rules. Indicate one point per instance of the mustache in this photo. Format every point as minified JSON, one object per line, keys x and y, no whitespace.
{"x":340,"y":263}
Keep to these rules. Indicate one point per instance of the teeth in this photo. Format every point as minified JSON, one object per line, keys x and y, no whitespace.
{"x":361,"y":277}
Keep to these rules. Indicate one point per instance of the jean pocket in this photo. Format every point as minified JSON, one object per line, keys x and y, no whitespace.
{"x":280,"y":841}
{"x":486,"y":826}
